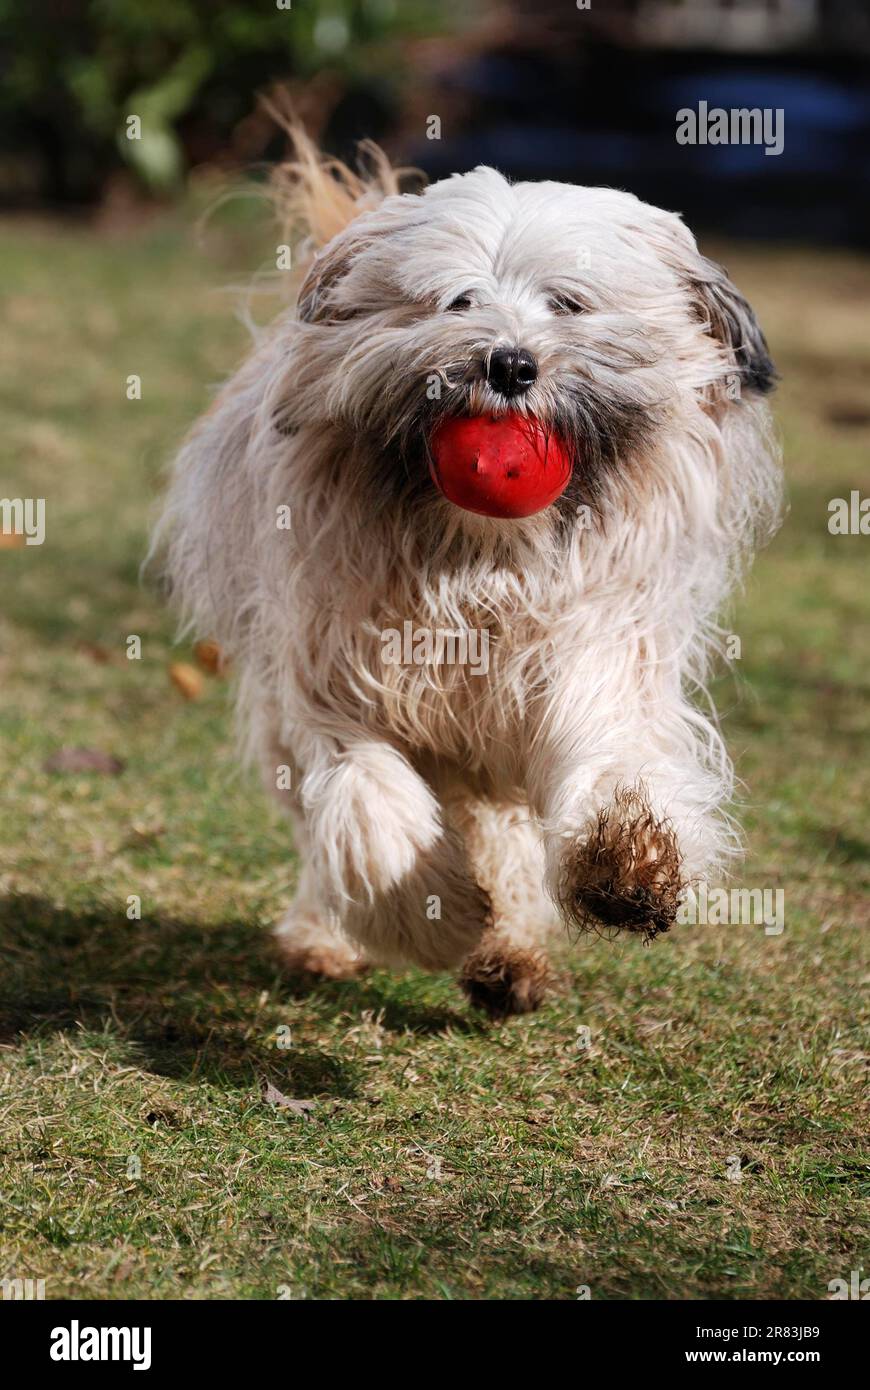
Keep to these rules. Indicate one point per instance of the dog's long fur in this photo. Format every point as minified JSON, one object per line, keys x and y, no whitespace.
{"x":430,"y":803}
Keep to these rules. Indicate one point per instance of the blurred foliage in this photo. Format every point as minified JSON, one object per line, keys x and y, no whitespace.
{"x":190,"y":69}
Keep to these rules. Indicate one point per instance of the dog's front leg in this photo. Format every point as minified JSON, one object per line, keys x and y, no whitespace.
{"x":398,"y":879}
{"x":625,"y":834}
{"x":623,"y":869}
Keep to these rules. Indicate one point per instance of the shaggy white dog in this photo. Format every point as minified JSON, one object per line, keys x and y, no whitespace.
{"x":442,"y":809}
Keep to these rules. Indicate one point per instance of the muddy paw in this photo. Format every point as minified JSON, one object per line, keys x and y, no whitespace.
{"x":626,"y":875}
{"x":501,"y":981}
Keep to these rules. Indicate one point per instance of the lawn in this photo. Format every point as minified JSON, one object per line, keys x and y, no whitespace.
{"x":711,"y":1140}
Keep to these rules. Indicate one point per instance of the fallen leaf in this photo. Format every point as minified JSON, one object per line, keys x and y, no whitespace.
{"x":210,"y":657}
{"x":272,"y":1096}
{"x":84,"y":760}
{"x":186,"y":679}
{"x":386,"y":1183}
{"x":96,"y":651}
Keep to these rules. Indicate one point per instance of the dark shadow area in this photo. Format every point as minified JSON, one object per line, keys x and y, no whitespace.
{"x":183,"y":993}
{"x":834,"y":845}
{"x":419,"y":1247}
{"x":377,"y":992}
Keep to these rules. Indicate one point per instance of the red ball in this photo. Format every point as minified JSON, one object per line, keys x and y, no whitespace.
{"x":499,"y":465}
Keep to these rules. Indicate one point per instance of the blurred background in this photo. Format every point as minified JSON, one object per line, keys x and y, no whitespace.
{"x":539,"y":88}
{"x":126,"y":260}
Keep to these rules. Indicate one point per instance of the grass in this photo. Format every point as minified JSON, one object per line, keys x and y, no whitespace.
{"x":443,"y":1158}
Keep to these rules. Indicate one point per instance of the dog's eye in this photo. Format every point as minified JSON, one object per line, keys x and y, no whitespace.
{"x":565,"y":304}
{"x":462,"y":301}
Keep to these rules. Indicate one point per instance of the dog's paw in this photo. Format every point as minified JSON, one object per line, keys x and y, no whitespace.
{"x":310,"y":947}
{"x":502,"y":980}
{"x":329,"y":962}
{"x":626,"y":874}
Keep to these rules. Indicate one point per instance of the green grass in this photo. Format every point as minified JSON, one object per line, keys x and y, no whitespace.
{"x":444,"y":1158}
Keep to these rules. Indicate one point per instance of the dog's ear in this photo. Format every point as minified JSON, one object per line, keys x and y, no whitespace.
{"x":328,"y":267}
{"x":731,"y":321}
{"x":716,"y":301}
{"x":332,"y":210}
{"x":320,"y":297}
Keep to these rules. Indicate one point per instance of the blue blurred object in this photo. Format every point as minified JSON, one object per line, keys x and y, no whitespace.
{"x":602,"y":114}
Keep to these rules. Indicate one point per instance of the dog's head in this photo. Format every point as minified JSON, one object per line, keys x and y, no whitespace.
{"x":584,"y":309}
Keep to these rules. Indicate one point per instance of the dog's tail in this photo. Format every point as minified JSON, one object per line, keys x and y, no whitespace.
{"x":317,"y":195}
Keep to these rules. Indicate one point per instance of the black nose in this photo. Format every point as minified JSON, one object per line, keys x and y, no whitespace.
{"x":511,"y":371}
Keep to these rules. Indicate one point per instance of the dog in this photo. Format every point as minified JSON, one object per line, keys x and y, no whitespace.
{"x":450,"y":815}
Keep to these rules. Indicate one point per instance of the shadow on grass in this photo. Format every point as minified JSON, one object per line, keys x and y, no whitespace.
{"x":184,"y":993}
